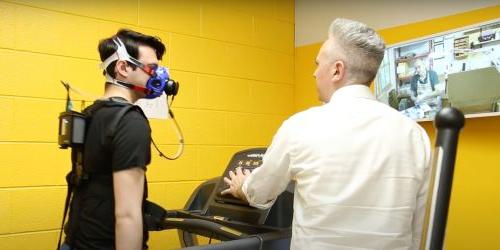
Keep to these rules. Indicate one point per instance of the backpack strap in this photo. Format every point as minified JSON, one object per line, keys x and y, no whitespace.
{"x":113,"y":126}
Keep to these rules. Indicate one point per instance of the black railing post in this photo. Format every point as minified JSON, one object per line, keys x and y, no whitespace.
{"x":448,"y":122}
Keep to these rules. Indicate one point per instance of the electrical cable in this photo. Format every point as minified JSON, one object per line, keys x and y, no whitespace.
{"x":178,"y":130}
{"x":79,"y":92}
{"x":180,"y":136}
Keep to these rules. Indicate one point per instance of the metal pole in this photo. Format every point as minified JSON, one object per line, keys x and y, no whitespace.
{"x":448,"y":122}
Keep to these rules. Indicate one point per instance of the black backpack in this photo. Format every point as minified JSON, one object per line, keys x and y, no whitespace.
{"x":72,"y":131}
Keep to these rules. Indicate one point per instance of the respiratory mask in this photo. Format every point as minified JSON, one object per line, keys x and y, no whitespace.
{"x":159,"y":78}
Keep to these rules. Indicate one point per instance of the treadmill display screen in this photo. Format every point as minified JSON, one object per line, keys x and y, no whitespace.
{"x":248,"y":159}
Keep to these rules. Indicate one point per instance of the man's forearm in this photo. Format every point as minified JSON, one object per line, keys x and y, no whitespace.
{"x":128,"y":233}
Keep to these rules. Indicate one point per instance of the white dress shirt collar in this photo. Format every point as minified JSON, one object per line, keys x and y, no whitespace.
{"x":353,"y":91}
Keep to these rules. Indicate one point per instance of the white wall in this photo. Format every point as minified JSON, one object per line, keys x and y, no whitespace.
{"x":313,"y":17}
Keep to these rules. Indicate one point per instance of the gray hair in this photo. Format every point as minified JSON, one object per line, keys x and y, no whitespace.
{"x":362,"y":47}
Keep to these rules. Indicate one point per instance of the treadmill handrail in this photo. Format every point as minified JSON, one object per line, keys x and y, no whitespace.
{"x":249,"y":243}
{"x":199,"y":225}
{"x":449,"y":122}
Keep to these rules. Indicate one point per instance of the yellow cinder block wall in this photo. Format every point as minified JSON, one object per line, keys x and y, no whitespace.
{"x":235,"y":63}
{"x":473,"y":217}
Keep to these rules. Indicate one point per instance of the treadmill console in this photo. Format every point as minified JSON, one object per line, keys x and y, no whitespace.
{"x":246,"y":160}
{"x":227,"y":206}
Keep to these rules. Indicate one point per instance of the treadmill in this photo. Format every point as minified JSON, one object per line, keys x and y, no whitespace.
{"x":208,"y":213}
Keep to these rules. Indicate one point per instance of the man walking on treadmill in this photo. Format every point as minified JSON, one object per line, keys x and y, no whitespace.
{"x":361,"y":168}
{"x":107,"y":208}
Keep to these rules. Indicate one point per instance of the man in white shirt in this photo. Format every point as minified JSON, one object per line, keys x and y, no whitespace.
{"x":361,"y":168}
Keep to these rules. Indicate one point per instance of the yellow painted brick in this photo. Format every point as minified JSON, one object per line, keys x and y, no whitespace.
{"x":7,"y":27}
{"x":245,"y":62}
{"x":271,"y":98}
{"x":210,"y":57}
{"x":259,"y":64}
{"x":239,"y":129}
{"x":197,"y":55}
{"x":39,"y":30}
{"x":55,"y":33}
{"x":6,"y":242}
{"x":43,"y":205}
{"x":255,"y":8}
{"x":21,"y":164}
{"x":265,"y":126}
{"x":188,"y":89}
{"x":226,"y":25}
{"x":16,"y":81}
{"x":73,"y":40}
{"x":124,"y":11}
{"x":35,"y":240}
{"x":41,"y":127}
{"x":223,"y":93}
{"x":278,"y":68}
{"x":178,"y":193}
{"x":7,"y":121}
{"x":164,"y":240}
{"x":214,"y":159}
{"x":274,"y":34}
{"x":202,"y":126}
{"x":171,"y":15}
{"x":45,"y":73}
{"x":5,"y":208}
{"x":305,"y":86}
{"x":117,"y":10}
{"x":252,"y":129}
{"x":184,"y":168}
{"x":49,"y":5}
{"x":157,"y":193}
{"x":285,"y":10}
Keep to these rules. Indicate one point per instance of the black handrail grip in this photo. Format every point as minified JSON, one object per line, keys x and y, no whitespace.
{"x":193,"y":225}
{"x":449,"y":122}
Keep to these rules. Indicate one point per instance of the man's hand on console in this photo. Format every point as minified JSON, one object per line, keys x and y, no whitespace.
{"x":235,"y":183}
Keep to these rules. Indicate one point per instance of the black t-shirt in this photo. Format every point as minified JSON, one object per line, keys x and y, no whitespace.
{"x":128,"y":148}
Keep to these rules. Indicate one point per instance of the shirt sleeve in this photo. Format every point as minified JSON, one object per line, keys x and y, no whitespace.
{"x":269,"y":180}
{"x":424,"y":150}
{"x":131,"y":144}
